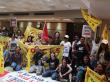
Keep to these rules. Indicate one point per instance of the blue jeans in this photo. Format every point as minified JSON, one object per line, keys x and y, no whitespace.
{"x":16,"y":66}
{"x":50,"y":73}
{"x":79,"y":75}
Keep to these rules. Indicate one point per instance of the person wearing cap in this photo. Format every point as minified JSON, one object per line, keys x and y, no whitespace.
{"x":102,"y":50}
{"x":95,"y":46}
{"x":67,"y":46}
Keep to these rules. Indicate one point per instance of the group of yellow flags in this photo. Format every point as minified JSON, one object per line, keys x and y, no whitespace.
{"x":92,"y":76}
{"x":3,"y":42}
{"x":94,"y":23}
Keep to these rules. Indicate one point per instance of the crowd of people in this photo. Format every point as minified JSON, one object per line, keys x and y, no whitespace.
{"x":76,"y":57}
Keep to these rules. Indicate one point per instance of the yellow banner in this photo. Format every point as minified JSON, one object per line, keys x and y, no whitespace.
{"x":92,"y":76}
{"x":28,"y":52}
{"x":28,"y":60}
{"x":4,"y":40}
{"x":31,"y":31}
{"x":105,"y":33}
{"x":93,"y":22}
{"x":1,"y":59}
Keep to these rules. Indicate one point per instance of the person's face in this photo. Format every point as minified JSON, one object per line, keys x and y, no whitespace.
{"x":10,"y":53}
{"x":50,"y":39}
{"x":86,"y":59}
{"x":97,"y":40}
{"x":76,"y":38}
{"x":19,"y":32}
{"x":66,"y":39}
{"x":4,"y":28}
{"x":82,"y":40}
{"x":39,"y":35}
{"x":99,"y":68}
{"x":29,"y":38}
{"x":103,"y":46}
{"x":52,"y":56}
{"x":57,"y":35}
{"x":92,"y":57}
{"x":39,"y":62}
{"x":13,"y":36}
{"x":64,"y":62}
{"x":36,"y":48}
{"x":17,"y":49}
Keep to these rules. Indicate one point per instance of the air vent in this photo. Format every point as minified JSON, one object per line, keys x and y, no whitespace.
{"x":4,"y":14}
{"x":45,"y":13}
{"x":21,"y":14}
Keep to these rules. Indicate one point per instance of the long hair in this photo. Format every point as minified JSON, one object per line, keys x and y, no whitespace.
{"x":106,"y":49}
{"x":107,"y":56}
{"x":30,"y":40}
{"x":55,"y":34}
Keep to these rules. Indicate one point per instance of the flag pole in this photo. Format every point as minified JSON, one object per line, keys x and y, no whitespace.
{"x":95,"y":34}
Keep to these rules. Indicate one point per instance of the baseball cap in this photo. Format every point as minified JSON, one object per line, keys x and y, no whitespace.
{"x":105,"y":41}
{"x":66,"y":36}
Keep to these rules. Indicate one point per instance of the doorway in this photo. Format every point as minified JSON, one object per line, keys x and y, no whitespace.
{"x":74,"y":29}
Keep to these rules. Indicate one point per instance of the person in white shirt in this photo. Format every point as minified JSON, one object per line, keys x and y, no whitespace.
{"x":67,"y":46}
{"x":13,"y":43}
{"x":95,"y":46}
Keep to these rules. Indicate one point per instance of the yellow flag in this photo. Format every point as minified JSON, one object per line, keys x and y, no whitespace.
{"x":93,"y":22}
{"x":31,"y":31}
{"x":105,"y":33}
{"x":92,"y":76}
{"x":28,"y":60}
{"x":1,"y":59}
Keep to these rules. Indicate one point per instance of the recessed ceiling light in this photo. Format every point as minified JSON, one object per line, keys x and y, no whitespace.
{"x":2,"y":7}
{"x":47,"y":0}
{"x":68,"y":6}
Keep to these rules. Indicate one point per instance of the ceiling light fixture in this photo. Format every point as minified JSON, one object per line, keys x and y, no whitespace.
{"x":2,"y":7}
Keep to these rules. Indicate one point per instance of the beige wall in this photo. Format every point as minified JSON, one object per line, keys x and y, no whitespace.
{"x":51,"y":26}
{"x":60,"y":27}
{"x":67,"y":14}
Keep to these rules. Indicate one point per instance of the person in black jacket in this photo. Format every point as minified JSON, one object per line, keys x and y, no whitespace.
{"x":81,"y":51}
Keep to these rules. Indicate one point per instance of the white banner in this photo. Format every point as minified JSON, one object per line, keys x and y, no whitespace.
{"x":23,"y":76}
{"x":86,"y":31}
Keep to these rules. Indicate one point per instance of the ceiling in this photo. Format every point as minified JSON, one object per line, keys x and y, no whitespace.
{"x":39,"y":5}
{"x":100,"y":8}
